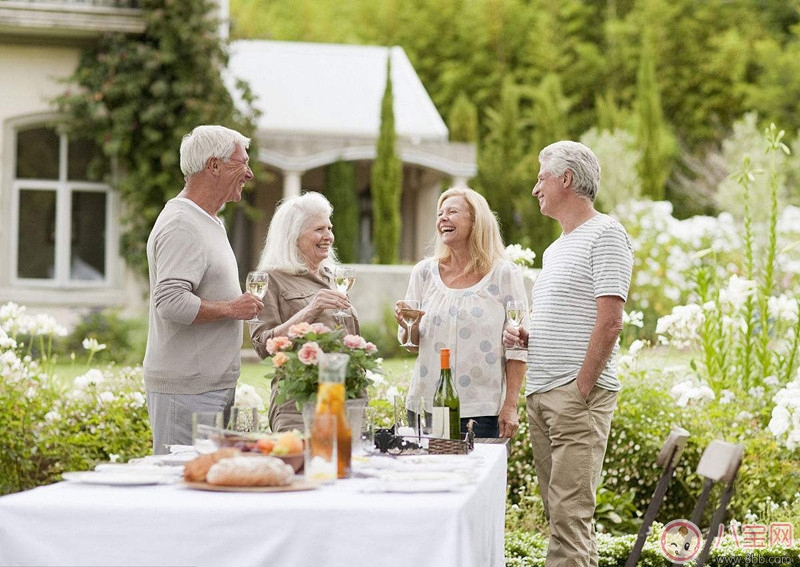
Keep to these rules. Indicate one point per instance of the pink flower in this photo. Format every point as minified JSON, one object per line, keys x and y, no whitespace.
{"x":354,"y":341}
{"x":279,"y":359}
{"x":370,"y":348}
{"x":299,"y":330}
{"x":309,"y":353}
{"x":278,"y":343}
{"x":320,"y":328}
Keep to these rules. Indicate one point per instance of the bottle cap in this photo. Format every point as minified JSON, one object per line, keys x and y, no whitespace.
{"x":444,"y":356}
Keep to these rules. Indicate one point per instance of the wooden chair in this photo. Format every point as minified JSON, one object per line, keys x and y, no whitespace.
{"x":668,"y":459}
{"x":720,"y":463}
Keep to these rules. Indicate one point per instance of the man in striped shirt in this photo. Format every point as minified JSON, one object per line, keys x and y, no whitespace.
{"x":576,"y":319}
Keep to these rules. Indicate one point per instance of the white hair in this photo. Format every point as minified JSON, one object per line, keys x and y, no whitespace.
{"x":291,"y":218}
{"x":206,"y":142}
{"x":579,"y":159}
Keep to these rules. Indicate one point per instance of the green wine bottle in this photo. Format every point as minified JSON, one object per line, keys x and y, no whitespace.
{"x":446,"y":405}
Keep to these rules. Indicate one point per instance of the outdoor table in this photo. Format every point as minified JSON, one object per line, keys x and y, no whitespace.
{"x":339,"y":524}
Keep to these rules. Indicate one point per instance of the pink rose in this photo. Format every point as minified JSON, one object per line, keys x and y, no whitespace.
{"x":299,"y":330}
{"x":279,"y":359}
{"x":370,"y":348}
{"x":354,"y":341}
{"x":309,"y":353}
{"x":278,"y":343}
{"x":320,"y":328}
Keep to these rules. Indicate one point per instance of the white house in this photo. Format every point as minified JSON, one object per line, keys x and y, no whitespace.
{"x":59,"y":232}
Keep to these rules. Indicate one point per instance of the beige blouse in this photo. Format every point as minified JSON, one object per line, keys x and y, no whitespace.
{"x":288,"y":293}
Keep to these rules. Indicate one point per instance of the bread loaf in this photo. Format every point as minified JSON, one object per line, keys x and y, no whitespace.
{"x":250,"y":471}
{"x":196,"y":469}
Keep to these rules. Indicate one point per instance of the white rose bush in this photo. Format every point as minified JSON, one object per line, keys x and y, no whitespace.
{"x":50,"y":427}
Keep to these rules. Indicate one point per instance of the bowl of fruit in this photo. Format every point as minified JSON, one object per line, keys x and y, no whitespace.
{"x":287,"y":446}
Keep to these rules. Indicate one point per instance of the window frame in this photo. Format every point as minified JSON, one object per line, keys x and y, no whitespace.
{"x":64,"y":190}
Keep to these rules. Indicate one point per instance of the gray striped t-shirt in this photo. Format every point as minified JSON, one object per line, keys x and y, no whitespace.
{"x":594,"y":260}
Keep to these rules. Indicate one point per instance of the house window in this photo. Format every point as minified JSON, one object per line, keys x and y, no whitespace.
{"x":61,"y":212}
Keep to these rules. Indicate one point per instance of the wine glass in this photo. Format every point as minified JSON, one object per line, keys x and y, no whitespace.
{"x":515,"y":313}
{"x":257,"y":283}
{"x":410,"y":312}
{"x":343,"y":277}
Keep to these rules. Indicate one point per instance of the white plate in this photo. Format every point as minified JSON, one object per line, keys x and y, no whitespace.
{"x":113,"y":478}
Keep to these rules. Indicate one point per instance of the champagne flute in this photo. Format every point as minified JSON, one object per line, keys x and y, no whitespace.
{"x":410,"y":312}
{"x":257,"y":283}
{"x":343,"y":277}
{"x":515,"y":313}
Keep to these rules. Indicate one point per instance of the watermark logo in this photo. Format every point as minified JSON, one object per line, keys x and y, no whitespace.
{"x":680,"y":541}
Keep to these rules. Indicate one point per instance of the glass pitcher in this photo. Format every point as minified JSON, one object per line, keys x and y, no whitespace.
{"x":331,"y":401}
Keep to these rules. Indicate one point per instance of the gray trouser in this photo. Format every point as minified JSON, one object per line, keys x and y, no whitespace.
{"x":171,"y":415}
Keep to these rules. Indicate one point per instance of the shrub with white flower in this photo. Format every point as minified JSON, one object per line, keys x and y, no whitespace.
{"x":248,"y":397}
{"x":690,"y":391}
{"x":681,"y":328}
{"x":47,"y":430}
{"x":524,"y":258}
{"x":785,"y":422}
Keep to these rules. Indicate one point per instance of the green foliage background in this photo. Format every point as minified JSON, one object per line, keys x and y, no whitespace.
{"x":574,"y":65}
{"x":138,"y":96}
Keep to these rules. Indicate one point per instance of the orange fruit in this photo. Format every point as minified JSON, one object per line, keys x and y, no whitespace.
{"x":265,"y":445}
{"x":289,"y":442}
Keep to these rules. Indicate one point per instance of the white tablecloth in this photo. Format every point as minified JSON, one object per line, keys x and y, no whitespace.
{"x":170,"y":525}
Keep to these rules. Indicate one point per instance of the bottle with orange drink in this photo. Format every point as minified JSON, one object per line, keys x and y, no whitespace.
{"x":331,"y":401}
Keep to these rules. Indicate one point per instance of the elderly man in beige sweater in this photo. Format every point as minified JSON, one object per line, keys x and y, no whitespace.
{"x":196,"y":302}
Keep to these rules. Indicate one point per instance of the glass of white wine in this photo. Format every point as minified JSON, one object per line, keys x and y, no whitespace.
{"x":343,"y":278}
{"x":257,"y":283}
{"x":410,"y":312}
{"x":515,"y":314}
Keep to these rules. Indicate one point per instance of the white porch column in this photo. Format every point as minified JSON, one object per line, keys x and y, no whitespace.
{"x":291,"y":183}
{"x":460,"y":182}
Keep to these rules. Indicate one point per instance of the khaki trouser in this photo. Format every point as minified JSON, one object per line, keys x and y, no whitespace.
{"x":569,"y":437}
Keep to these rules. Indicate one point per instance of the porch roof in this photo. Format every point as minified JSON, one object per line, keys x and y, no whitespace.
{"x":323,"y":90}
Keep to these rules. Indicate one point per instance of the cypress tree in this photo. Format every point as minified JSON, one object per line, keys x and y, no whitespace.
{"x":341,"y":192}
{"x":386,"y":180}
{"x":653,"y":137}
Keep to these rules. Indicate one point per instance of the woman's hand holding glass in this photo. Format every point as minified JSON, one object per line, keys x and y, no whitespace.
{"x":343,"y":278}
{"x":407,"y":312}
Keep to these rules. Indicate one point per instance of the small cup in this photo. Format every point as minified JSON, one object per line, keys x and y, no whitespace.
{"x":367,"y":432}
{"x":355,"y":419}
{"x":206,"y":426}
{"x":244,"y":420}
{"x":321,"y":455}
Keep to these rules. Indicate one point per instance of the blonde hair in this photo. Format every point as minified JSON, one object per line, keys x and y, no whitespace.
{"x":485,"y":243}
{"x":291,"y":218}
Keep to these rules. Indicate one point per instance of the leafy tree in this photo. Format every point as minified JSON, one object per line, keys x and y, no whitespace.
{"x":341,"y":192}
{"x":463,"y":120}
{"x":138,"y":96}
{"x":618,"y":156}
{"x":502,"y":165}
{"x":386,"y":182}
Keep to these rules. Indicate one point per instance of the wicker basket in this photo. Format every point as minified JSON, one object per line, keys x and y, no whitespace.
{"x":448,"y":447}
